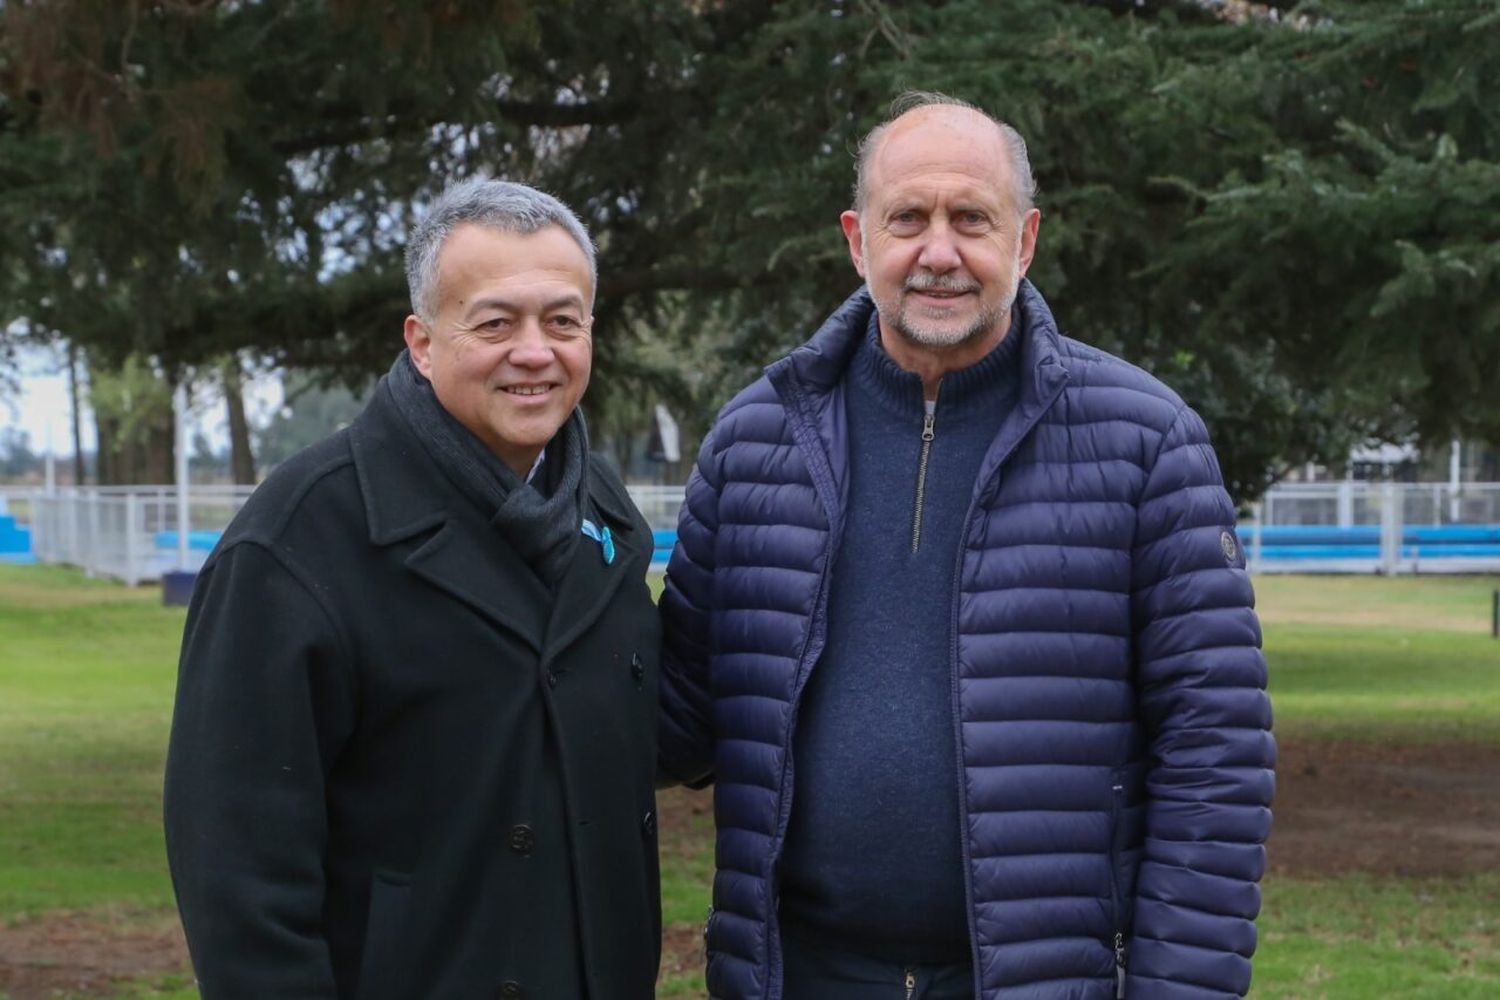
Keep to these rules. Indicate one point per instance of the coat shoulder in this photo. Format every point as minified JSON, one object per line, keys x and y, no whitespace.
{"x":755,"y":413}
{"x":307,"y":494}
{"x":1113,"y":388}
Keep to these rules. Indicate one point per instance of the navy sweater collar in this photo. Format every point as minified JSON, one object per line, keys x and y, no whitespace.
{"x":966,"y":390}
{"x":820,"y":364}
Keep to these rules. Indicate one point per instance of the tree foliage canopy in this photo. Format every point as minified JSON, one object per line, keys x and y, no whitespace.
{"x":1293,"y":216}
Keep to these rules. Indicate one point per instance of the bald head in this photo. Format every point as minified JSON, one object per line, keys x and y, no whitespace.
{"x":915,"y":109}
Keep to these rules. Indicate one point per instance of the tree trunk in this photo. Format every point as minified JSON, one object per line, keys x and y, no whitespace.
{"x":78,"y":472}
{"x":241,"y":458}
{"x":159,"y":452}
{"x":105,"y":472}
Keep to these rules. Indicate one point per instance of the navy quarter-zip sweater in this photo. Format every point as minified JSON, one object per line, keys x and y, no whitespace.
{"x":873,"y":861}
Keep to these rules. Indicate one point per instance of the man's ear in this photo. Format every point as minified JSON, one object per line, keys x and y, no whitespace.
{"x":419,"y":343}
{"x":1030,"y":223}
{"x":850,"y":221}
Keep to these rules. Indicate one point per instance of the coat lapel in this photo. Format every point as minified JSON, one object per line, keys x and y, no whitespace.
{"x":406,"y":496}
{"x":590,"y":583}
{"x":1043,"y":379}
{"x":487,"y":575}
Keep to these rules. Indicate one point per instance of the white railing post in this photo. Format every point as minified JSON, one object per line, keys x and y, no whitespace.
{"x":96,"y":531}
{"x":1390,"y":530}
{"x":180,"y":420}
{"x":75,"y":529}
{"x":1257,"y":540}
{"x":1455,"y":478}
{"x":131,"y":573}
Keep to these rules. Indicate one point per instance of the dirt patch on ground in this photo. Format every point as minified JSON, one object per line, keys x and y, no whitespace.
{"x":85,"y":954}
{"x":681,"y":950}
{"x":686,"y":815}
{"x":1340,"y":807}
{"x":1387,"y":810}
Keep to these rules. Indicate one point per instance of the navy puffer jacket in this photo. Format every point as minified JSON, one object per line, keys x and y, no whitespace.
{"x":1109,"y":690}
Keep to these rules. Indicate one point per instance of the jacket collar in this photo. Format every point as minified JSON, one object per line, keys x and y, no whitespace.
{"x":809,"y":382}
{"x":407,"y":496}
{"x":404,"y":491}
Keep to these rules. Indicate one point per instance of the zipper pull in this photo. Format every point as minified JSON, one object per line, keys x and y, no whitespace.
{"x":928,"y":420}
{"x":911,"y":976}
{"x":1119,"y":966}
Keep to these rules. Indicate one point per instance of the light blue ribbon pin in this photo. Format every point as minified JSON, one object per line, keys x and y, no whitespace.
{"x":603,"y":537}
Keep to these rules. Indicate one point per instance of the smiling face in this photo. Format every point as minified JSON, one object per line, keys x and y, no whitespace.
{"x":509,"y":346}
{"x":940,"y":239}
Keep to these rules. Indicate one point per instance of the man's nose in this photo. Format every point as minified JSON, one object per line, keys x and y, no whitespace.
{"x":940,"y":249}
{"x":530,"y":349}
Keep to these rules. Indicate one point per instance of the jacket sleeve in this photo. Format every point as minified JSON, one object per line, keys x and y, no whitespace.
{"x":685,"y":738}
{"x":1201,"y":688}
{"x":264,"y":703}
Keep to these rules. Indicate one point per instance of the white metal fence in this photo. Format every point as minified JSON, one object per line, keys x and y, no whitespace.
{"x":130,"y":533}
{"x":659,"y":505}
{"x":1360,"y":527}
{"x":1347,"y":503}
{"x":126,"y":532}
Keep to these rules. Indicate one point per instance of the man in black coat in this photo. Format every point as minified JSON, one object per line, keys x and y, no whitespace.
{"x":414,"y":743}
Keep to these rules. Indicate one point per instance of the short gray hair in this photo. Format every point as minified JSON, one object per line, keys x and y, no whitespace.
{"x":505,"y":205}
{"x":911,"y":100}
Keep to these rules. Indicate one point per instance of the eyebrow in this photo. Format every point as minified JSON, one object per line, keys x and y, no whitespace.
{"x":562,"y":302}
{"x":492,"y":302}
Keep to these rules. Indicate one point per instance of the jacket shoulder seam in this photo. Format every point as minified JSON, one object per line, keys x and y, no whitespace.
{"x":303,"y":579}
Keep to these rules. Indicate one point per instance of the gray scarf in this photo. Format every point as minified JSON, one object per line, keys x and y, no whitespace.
{"x":541,"y":519}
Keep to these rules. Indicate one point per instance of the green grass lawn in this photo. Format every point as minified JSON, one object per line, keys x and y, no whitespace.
{"x":1359,"y":937}
{"x":87,"y":671}
{"x":1406,"y":660}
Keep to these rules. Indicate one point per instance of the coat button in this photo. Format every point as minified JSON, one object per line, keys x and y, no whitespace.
{"x":648,"y":825}
{"x":510,"y":990}
{"x":522,"y":839}
{"x":637,"y":667}
{"x":552,"y":678}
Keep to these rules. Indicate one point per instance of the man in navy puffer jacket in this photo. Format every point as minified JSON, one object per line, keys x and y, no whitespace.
{"x":959,"y":627}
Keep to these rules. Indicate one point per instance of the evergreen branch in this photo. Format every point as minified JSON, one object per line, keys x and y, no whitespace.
{"x":350,"y":125}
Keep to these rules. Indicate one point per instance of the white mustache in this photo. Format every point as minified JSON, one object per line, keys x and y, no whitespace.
{"x":938,"y":282}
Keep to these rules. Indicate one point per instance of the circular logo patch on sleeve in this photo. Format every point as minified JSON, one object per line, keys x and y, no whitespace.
{"x":1227,"y":543}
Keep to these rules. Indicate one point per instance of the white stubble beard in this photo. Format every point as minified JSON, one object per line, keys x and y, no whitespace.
{"x":915,"y":333}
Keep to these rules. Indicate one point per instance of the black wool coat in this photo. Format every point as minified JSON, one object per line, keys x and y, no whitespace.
{"x":399,"y":767}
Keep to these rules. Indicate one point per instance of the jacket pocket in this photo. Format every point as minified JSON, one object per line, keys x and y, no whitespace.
{"x":1126,"y":796}
{"x":382,"y":964}
{"x":1116,"y":881}
{"x":1116,"y":847}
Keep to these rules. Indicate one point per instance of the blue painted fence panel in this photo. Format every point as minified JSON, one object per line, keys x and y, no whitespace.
{"x":1286,"y":541}
{"x":202,"y":541}
{"x":1362,"y":541}
{"x":15,"y":541}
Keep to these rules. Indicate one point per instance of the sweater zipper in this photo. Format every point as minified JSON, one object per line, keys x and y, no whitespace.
{"x":929,"y":420}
